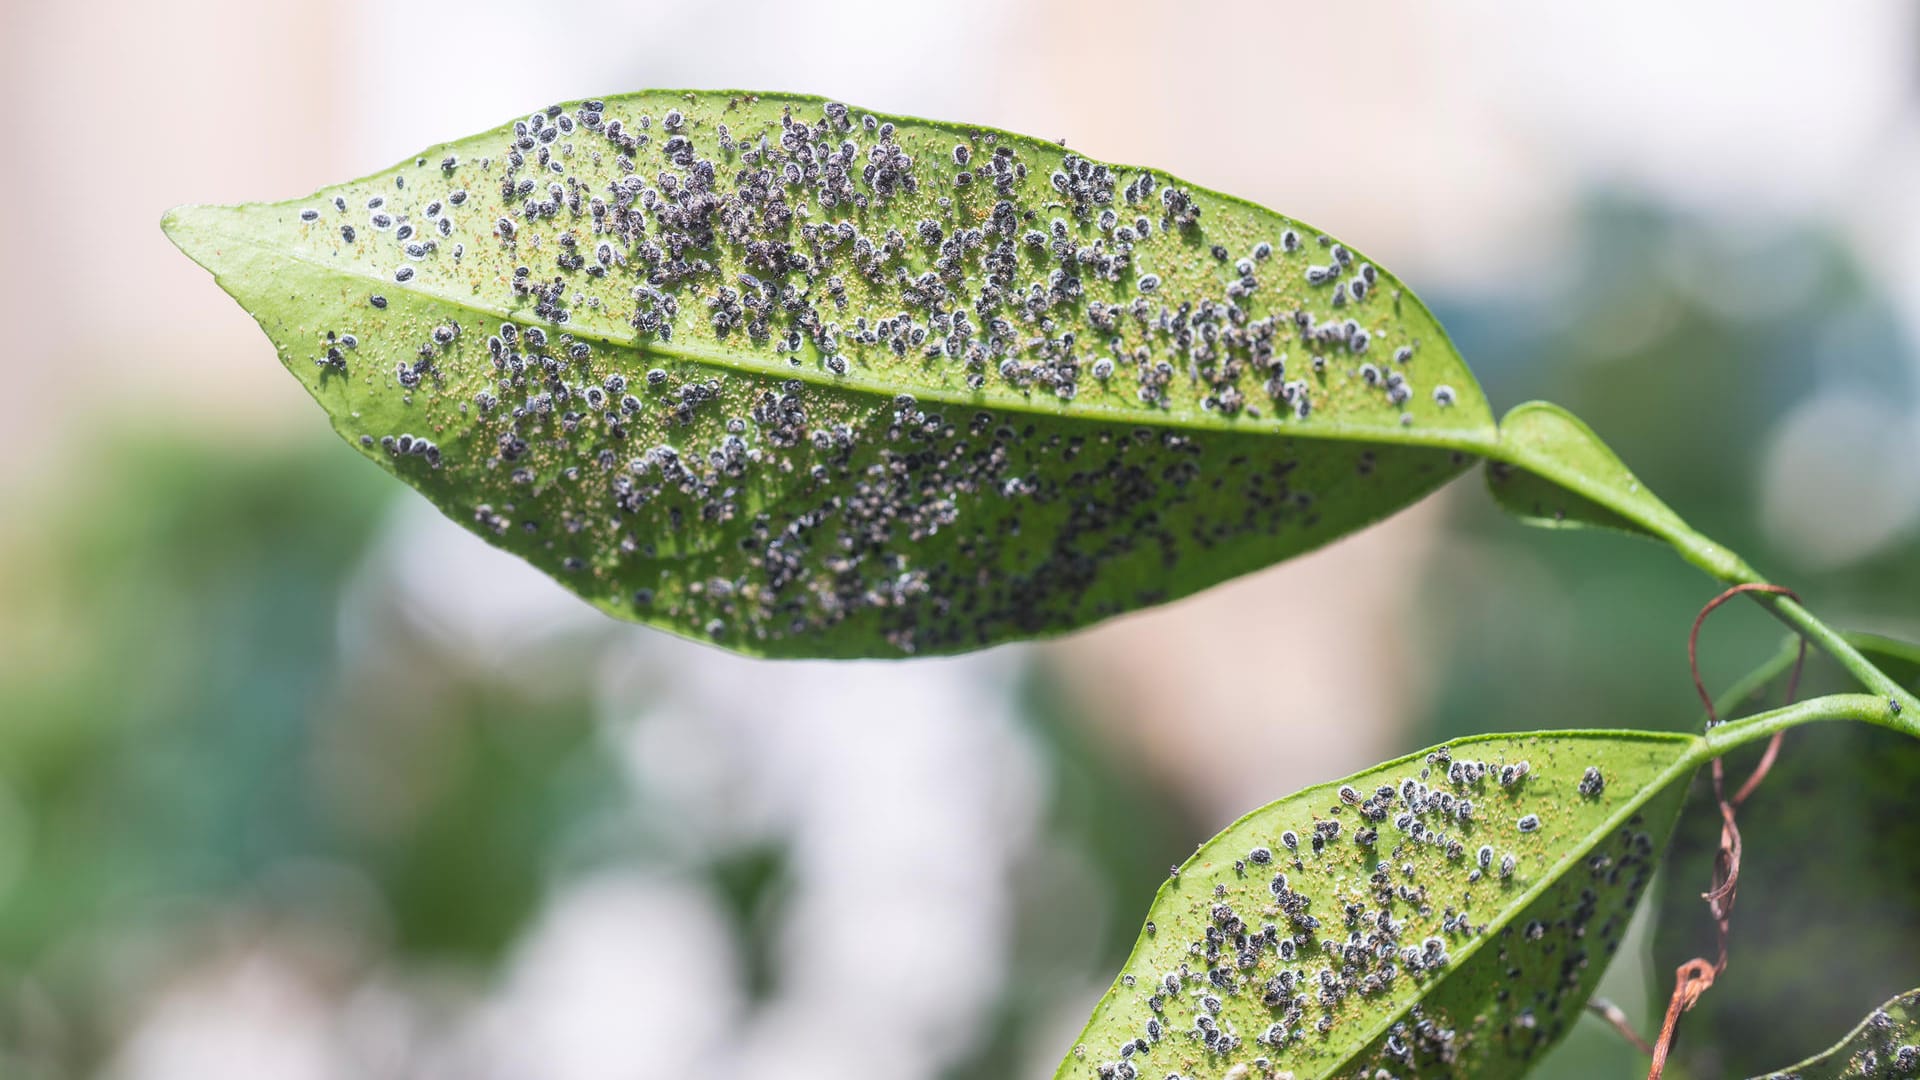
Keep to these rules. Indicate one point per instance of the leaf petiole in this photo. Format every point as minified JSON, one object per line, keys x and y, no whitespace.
{"x":1869,"y":708}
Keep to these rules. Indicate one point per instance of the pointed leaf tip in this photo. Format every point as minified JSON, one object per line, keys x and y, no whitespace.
{"x":197,"y":229}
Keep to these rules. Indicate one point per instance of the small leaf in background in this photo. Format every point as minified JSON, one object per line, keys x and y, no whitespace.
{"x":1899,"y":659}
{"x":1567,"y":452}
{"x":801,"y":380}
{"x":1825,"y":924}
{"x":1886,"y":1044}
{"x":1444,"y":914}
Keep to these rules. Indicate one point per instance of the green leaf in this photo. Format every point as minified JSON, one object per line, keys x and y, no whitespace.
{"x":1551,"y":470}
{"x":1564,"y":458}
{"x":1886,"y":1044}
{"x":794,"y":464}
{"x":1488,"y":969}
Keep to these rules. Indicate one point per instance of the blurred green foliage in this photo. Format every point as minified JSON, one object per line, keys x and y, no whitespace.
{"x":175,"y":715}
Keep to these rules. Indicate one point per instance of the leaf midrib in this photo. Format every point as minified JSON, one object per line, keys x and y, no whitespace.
{"x":1474,"y":441}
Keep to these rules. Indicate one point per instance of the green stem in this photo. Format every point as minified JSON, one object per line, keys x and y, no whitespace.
{"x":1865,"y":707}
{"x":1718,"y":560}
{"x":1592,"y":471}
{"x":1836,"y":645}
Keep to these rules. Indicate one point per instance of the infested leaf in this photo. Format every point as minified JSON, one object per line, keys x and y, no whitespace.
{"x":1886,"y":1044}
{"x":1403,"y":938}
{"x":1552,"y":457}
{"x":803,"y":381}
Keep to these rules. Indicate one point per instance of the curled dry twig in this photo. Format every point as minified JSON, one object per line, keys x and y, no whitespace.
{"x":1694,"y":977}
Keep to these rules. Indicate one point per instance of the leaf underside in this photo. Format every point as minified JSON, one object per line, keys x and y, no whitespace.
{"x":1263,"y":958}
{"x":800,"y":381}
{"x":1886,"y":1044}
{"x":1548,"y":436}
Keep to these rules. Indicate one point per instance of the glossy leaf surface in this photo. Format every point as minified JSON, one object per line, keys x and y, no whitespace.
{"x":1371,"y":923}
{"x":800,"y":380}
{"x":1566,"y":457}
